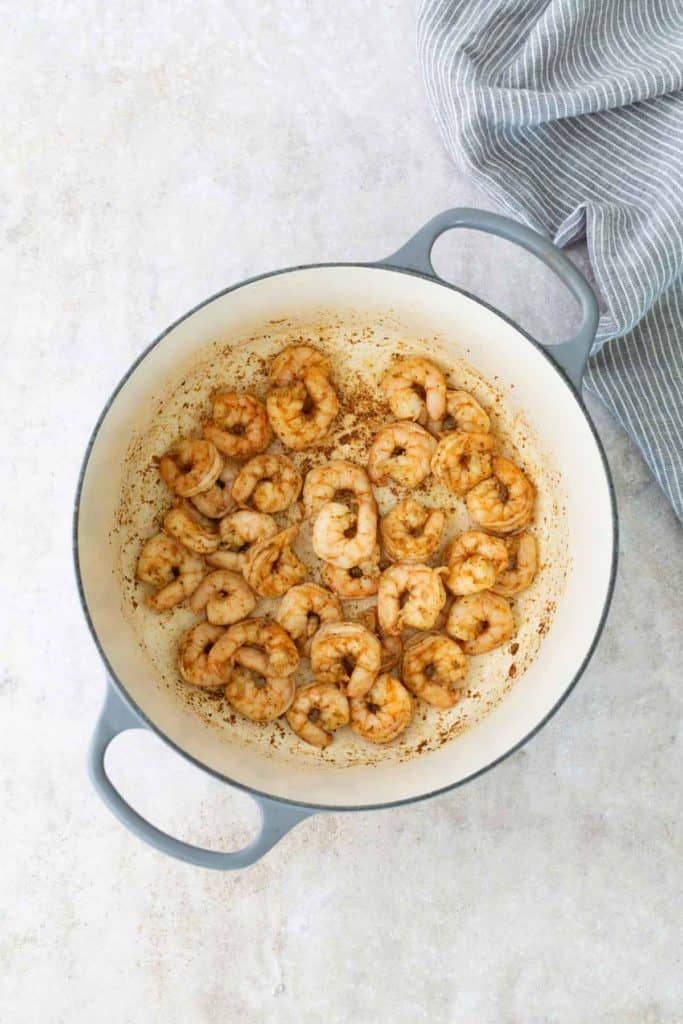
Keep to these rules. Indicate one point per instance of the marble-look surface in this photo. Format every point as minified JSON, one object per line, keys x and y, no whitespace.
{"x":152,"y":154}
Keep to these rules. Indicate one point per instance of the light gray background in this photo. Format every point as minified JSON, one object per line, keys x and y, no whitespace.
{"x":152,"y":154}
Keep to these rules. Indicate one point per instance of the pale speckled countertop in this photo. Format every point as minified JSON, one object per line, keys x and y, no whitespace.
{"x":153,"y":154}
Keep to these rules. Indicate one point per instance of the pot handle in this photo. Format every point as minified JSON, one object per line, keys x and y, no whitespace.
{"x":569,"y":355}
{"x":276,"y":818}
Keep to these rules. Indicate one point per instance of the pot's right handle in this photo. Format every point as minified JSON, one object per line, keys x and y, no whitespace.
{"x":276,"y":818}
{"x":570,"y":355}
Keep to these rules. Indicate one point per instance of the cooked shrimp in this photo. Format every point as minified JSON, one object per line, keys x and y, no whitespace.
{"x":409,"y":595}
{"x":217,"y":501}
{"x":434,"y":668}
{"x":504,"y":502}
{"x":260,"y":698}
{"x":416,"y":390}
{"x":317,"y":711}
{"x":475,"y":560}
{"x":338,"y":480}
{"x":345,"y":653}
{"x":344,"y":537}
{"x":303,"y":609}
{"x":257,"y":644}
{"x":401,"y":452}
{"x":521,"y":565}
{"x":238,"y":532}
{"x":463,"y":412}
{"x":191,"y":529}
{"x":355,"y":583}
{"x":480,"y":622}
{"x":391,"y":645}
{"x":462,"y":460}
{"x":290,"y":364}
{"x":271,"y":566}
{"x":240,"y":426}
{"x":410,"y":532}
{"x":190,"y":467}
{"x":270,"y":483}
{"x":302,"y":413}
{"x":171,"y":568}
{"x":384,"y":712}
{"x":226,"y":597}
{"x":193,"y":650}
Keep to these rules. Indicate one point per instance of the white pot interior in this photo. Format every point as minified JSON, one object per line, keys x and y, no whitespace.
{"x":532,"y":388}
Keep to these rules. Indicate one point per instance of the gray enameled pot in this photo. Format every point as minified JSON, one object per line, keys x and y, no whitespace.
{"x":547,"y":384}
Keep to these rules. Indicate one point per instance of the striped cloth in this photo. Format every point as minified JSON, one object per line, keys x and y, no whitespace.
{"x":569,"y":113}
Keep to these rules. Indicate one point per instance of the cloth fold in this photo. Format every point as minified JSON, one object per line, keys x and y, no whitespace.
{"x":569,"y":114}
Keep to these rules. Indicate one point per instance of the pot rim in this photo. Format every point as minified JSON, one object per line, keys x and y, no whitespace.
{"x":150,"y":724}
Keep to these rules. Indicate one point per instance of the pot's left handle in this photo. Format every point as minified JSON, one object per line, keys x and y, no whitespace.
{"x":276,"y":818}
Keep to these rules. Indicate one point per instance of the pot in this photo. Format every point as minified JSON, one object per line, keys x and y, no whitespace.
{"x":546,"y":385}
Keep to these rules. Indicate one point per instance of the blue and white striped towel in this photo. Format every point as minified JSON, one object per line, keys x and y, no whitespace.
{"x":569,"y":113}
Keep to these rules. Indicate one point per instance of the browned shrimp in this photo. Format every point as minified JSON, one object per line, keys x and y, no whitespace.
{"x":217,"y":501}
{"x":190,"y":467}
{"x":338,"y":480}
{"x":257,"y":644}
{"x":353,"y":584}
{"x":409,"y":595}
{"x":271,"y":566}
{"x":475,"y":560}
{"x":345,"y":537}
{"x":416,"y":390}
{"x":462,"y":459}
{"x":345,"y":653}
{"x":434,"y":668}
{"x":193,"y":650}
{"x":410,"y":532}
{"x":480,"y":622}
{"x":171,"y":568}
{"x":191,"y":528}
{"x":384,"y":712}
{"x":238,"y":532}
{"x":269,"y":483}
{"x":463,"y":412}
{"x":504,"y":502}
{"x":302,"y":413}
{"x":240,"y":426}
{"x":304,"y":609}
{"x":290,"y":364}
{"x":317,"y":711}
{"x":225,"y":596}
{"x":521,"y":565}
{"x":260,"y":698}
{"x":401,"y":452}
